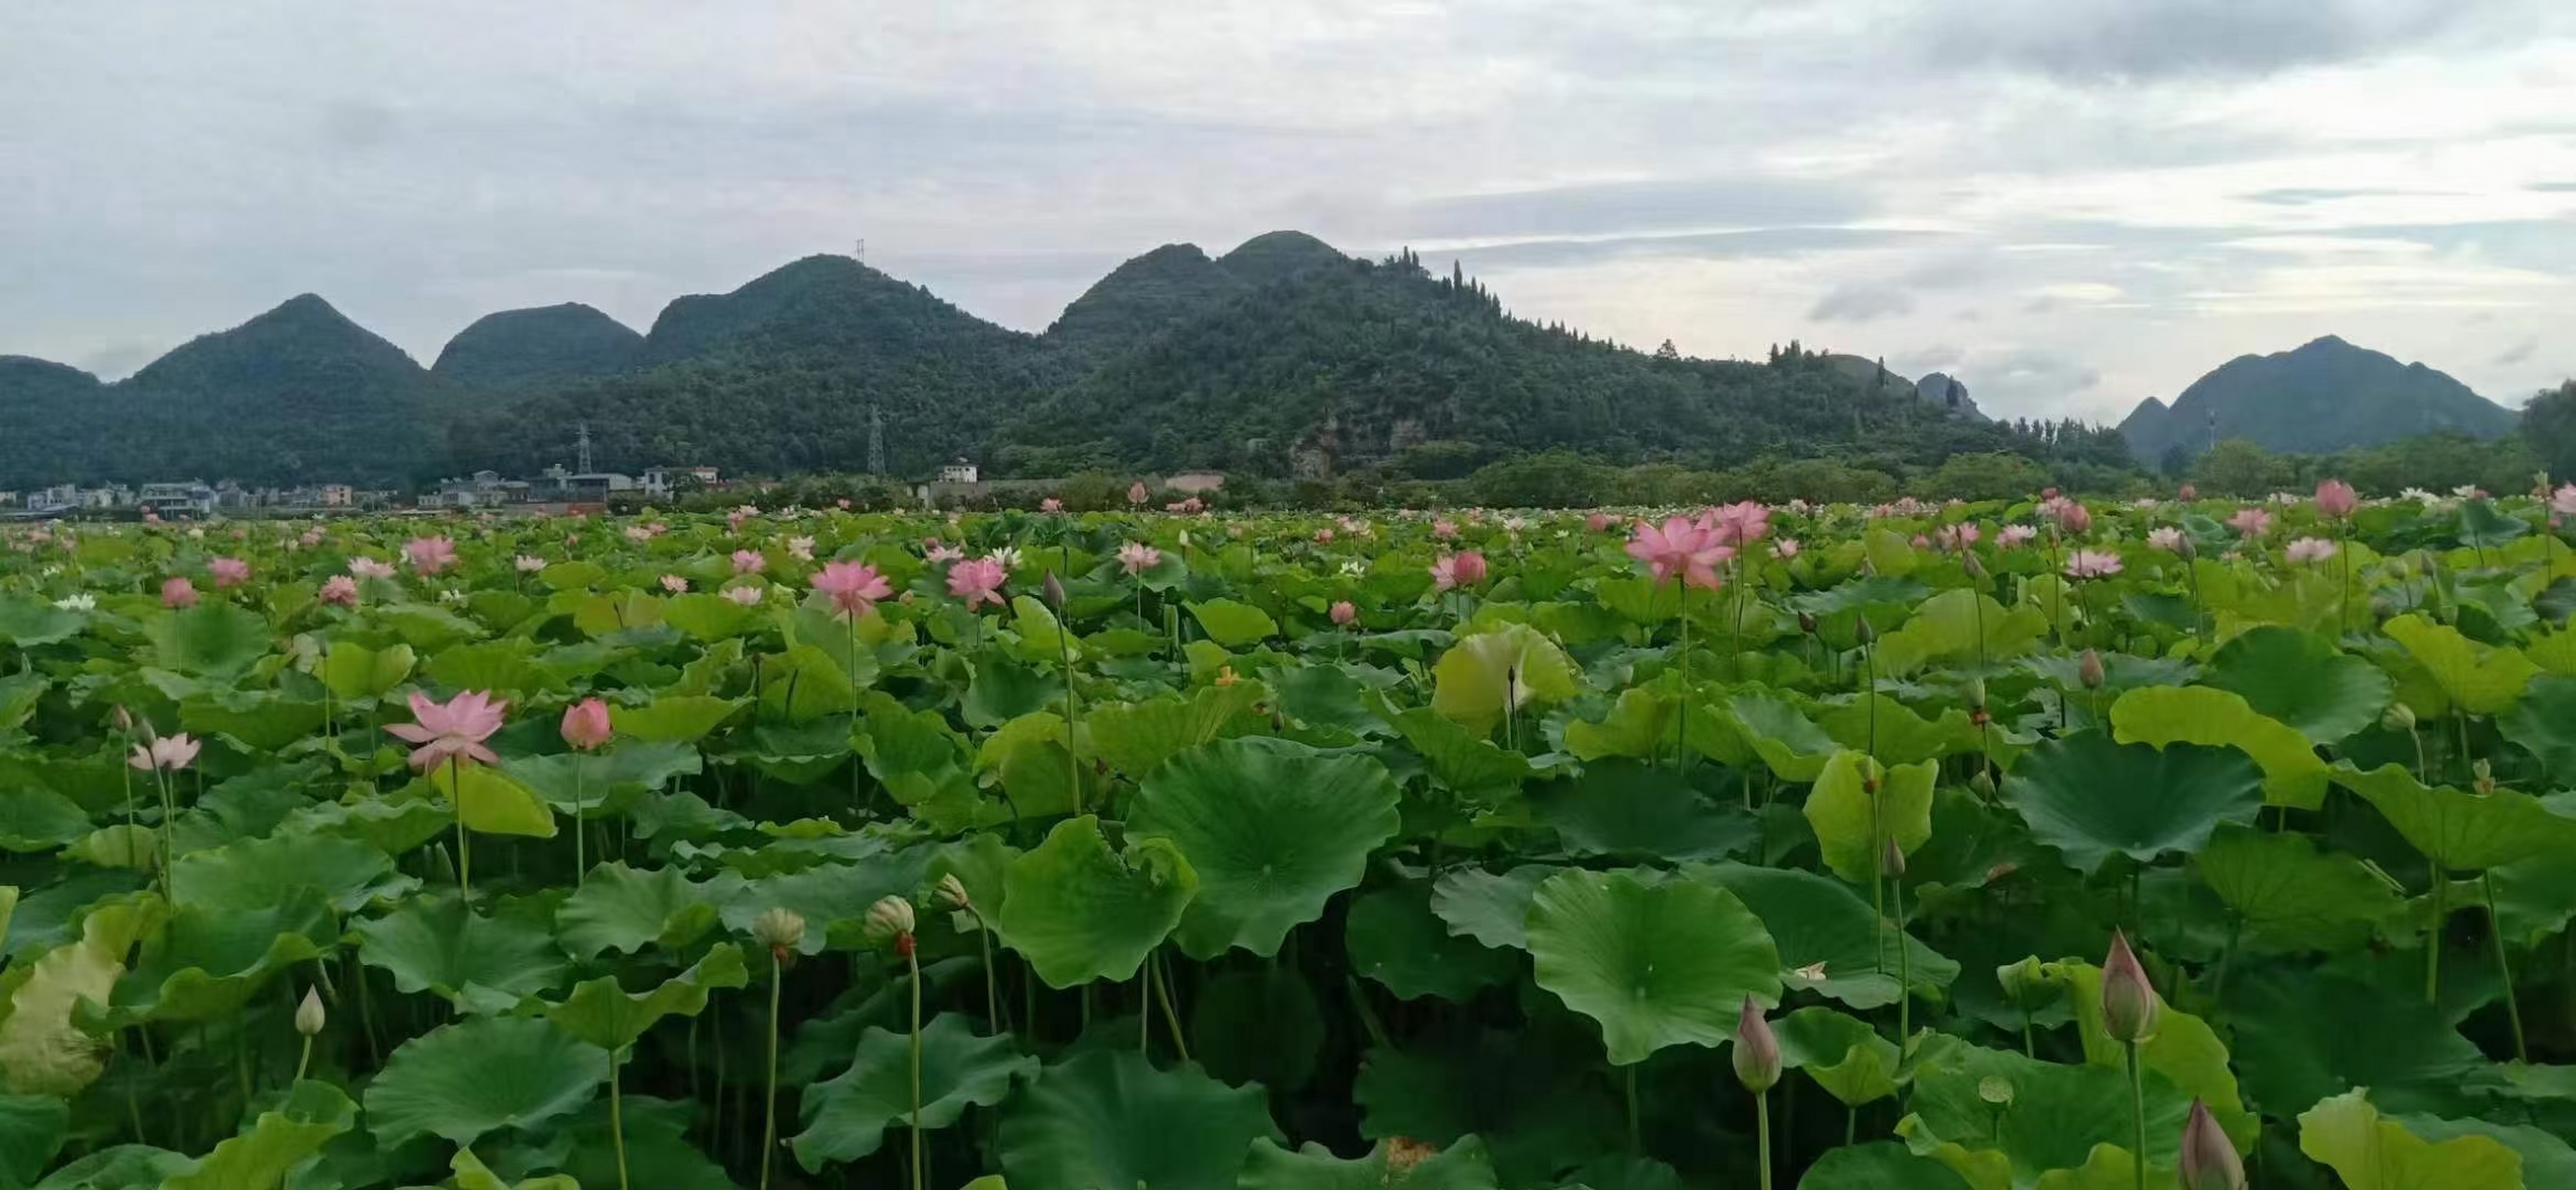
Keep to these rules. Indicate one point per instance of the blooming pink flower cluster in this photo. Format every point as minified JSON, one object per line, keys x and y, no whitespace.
{"x":1464,"y":569}
{"x":1680,"y":549}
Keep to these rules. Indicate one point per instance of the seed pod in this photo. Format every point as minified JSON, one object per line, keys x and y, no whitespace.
{"x":952,"y":893}
{"x":1757,"y":1052}
{"x":890,"y":918}
{"x":2129,"y":1005}
{"x":2398,"y":717}
{"x":778,"y":929}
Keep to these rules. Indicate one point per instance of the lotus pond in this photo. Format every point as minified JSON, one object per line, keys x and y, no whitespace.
{"x":1967,"y":847}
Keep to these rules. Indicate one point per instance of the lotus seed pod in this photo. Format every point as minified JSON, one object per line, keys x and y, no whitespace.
{"x":2208,"y":1160}
{"x":1757,"y":1052}
{"x":2129,"y":1005}
{"x":309,"y":1016}
{"x":1995,"y":1089}
{"x":952,"y":892}
{"x":2398,"y":717}
{"x":890,"y":917}
{"x":2088,"y":670}
{"x":778,"y":929}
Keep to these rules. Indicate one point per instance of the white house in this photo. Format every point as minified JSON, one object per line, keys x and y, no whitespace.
{"x":960,"y":471}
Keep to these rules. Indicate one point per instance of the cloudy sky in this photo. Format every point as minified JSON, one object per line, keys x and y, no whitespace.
{"x":2071,"y":204}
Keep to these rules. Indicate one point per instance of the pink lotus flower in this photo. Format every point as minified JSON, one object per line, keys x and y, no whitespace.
{"x":1598,"y":522}
{"x":2188,"y":494}
{"x":749,"y":562}
{"x":178,"y":592}
{"x":1323,"y":536}
{"x":1920,"y":542}
{"x":1444,"y":529}
{"x":311,"y":538}
{"x":934,"y":551}
{"x":638,"y":534}
{"x":1737,"y":525}
{"x":1679,"y":549}
{"x":2250,"y":522}
{"x":2074,"y":518}
{"x":1137,"y":558}
{"x":2166,"y":538}
{"x":1784,"y":548}
{"x":2092,"y":564}
{"x":853,"y":589}
{"x":1136,"y":492}
{"x":1343,"y":613}
{"x":1957,"y":537}
{"x":1458,"y":570}
{"x":674,"y":583}
{"x":2563,"y":501}
{"x":528,"y":563}
{"x":169,"y":752}
{"x":977,"y":580}
{"x":1050,"y":505}
{"x":228,"y":572}
{"x":2310,"y":549}
{"x":340,"y":590}
{"x":586,"y":725}
{"x":801,"y":548}
{"x":2015,"y":535}
{"x":452,"y":729}
{"x":429,"y":555}
{"x":746,"y":596}
{"x":2336,"y":499}
{"x":843,"y":502}
{"x":365,"y":567}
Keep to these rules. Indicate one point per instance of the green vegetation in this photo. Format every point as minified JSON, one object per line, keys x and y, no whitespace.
{"x":2323,"y":397}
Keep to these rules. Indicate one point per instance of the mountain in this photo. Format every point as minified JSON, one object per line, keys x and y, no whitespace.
{"x":1143,"y":297}
{"x":50,"y":410}
{"x":1278,"y":256}
{"x":562,"y":342}
{"x":1935,"y":387}
{"x":1947,"y":392}
{"x":2322,"y":397}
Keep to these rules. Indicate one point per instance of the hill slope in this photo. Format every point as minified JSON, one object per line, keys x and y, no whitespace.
{"x":1143,"y":297}
{"x":2324,"y":396}
{"x":562,"y":342}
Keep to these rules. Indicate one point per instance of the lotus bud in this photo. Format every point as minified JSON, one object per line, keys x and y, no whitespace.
{"x":2088,"y":670}
{"x":1983,"y":783}
{"x":122,"y":718}
{"x":1055,"y":590}
{"x":309,"y":1016}
{"x":1891,"y":860}
{"x":952,"y":893}
{"x":1976,"y":694}
{"x":1968,"y":562}
{"x":2208,"y":1160}
{"x":2398,"y":717}
{"x":1864,"y":632}
{"x":2484,"y":776}
{"x":890,"y":917}
{"x":2129,"y":1005}
{"x":1757,"y":1052}
{"x":1807,"y":623}
{"x":779,"y":929}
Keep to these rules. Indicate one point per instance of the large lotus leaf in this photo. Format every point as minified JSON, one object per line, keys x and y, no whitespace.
{"x":32,"y":1128}
{"x":481,"y":964}
{"x":2545,"y":725}
{"x":707,"y":616}
{"x":38,"y":819}
{"x":1640,"y":725}
{"x":1477,"y":769}
{"x":213,"y":639}
{"x":250,"y":873}
{"x":1042,"y":637}
{"x":390,"y":825}
{"x":495,"y":804}
{"x":676,"y":718}
{"x":1003,"y":690}
{"x":2292,"y":896}
{"x":463,"y":1080}
{"x":832,"y":898}
{"x":1623,"y":808}
{"x":2164,"y":715}
{"x":604,"y":1014}
{"x":19,"y":694}
{"x":808,"y":682}
{"x":42,"y":1052}
{"x":1853,"y":825}
{"x":209,"y":961}
{"x":2347,"y":1135}
{"x":2184,"y":1049}
{"x":598,"y":781}
{"x":1878,"y":1165}
{"x":8,"y":910}
{"x":428,"y":627}
{"x":2546,"y":1160}
{"x":1392,"y":937}
{"x":1538,"y":1091}
{"x":1233,"y":624}
{"x":1816,"y":920}
{"x":1272,"y":828}
{"x":1137,"y":737}
{"x":1841,"y":1052}
{"x":261,"y":719}
{"x":1490,"y":907}
{"x":2301,"y":1036}
{"x":1078,"y":911}
{"x":1961,"y":626}
{"x":1654,"y":964}
{"x":119,"y":1167}
{"x":354,"y":671}
{"x":1108,"y":1118}
{"x":472,"y":1174}
{"x":2480,"y":679}
{"x":2462,"y":831}
{"x":1461,"y":1166}
{"x":623,"y":909}
{"x":846,"y":1116}
{"x":2054,"y":1116}
{"x":28,"y":623}
{"x":919,"y":758}
{"x":279,"y":1140}
{"x":1891,"y":731}
{"x":2090,"y":798}
{"x":1500,"y":670}
{"x":2107,"y":1167}
{"x":584,"y":1147}
{"x":2302,"y":680}
{"x":606,"y":615}
{"x":1794,"y":747}
{"x":1258,"y":1026}
{"x":508,"y":666}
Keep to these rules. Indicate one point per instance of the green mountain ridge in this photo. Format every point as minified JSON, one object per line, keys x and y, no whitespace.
{"x":2324,"y":396}
{"x":561,"y":342}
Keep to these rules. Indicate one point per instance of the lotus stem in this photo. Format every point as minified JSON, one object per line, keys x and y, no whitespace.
{"x":912,"y":958}
{"x":456,"y":803}
{"x":2504,"y":969}
{"x":1636,"y":1135}
{"x":1163,"y":992}
{"x":1681,"y":742}
{"x":1762,"y":1125}
{"x":616,"y":1121}
{"x":2433,"y":935}
{"x":2138,"y":1113}
{"x":1904,"y":967}
{"x":769,"y":1106}
{"x":579,"y":868}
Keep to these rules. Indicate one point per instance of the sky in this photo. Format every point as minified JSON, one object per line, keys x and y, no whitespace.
{"x":2070,"y":205}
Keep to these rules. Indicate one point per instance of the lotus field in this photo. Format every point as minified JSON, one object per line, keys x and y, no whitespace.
{"x":1970,"y":847}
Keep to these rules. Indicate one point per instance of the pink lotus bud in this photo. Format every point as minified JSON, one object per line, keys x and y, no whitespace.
{"x":1470,"y":568}
{"x":2188,"y":493}
{"x":1757,"y":1052}
{"x":2336,"y":499}
{"x":2088,"y":670}
{"x":1344,"y":613}
{"x":586,"y":725}
{"x":2208,"y":1160}
{"x":2074,"y":517}
{"x":2129,"y":1004}
{"x":178,"y":593}
{"x":1054,"y":590}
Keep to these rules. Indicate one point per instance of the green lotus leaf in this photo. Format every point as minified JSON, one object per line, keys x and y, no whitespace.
{"x":575,"y":575}
{"x":1136,"y":738}
{"x":8,"y":910}
{"x":37,"y":819}
{"x":119,"y":1167}
{"x":494,"y":803}
{"x":1841,"y":1052}
{"x":1272,"y":828}
{"x":847,"y":1116}
{"x":2461,"y":831}
{"x":1814,"y":920}
{"x":19,"y":694}
{"x":1003,"y":690}
{"x":808,"y":682}
{"x":2300,"y":1036}
{"x":354,"y":671}
{"x":1461,"y":1166}
{"x":1891,"y":732}
{"x":480,"y":964}
{"x":1879,"y":1165}
{"x":274,"y":1144}
{"x":1232,"y":624}
{"x":1499,"y":670}
{"x":2546,"y":1160}
{"x":2054,"y":1117}
{"x":32,"y":1128}
{"x":1853,"y":825}
{"x":622,"y":909}
{"x":2348,"y":1135}
{"x":2090,"y":798}
{"x":251,"y":873}
{"x":1078,"y":911}
{"x":2184,"y":1049}
{"x":119,"y":846}
{"x":1477,"y":769}
{"x":429,"y":628}
{"x":1961,"y":626}
{"x":2163,"y":715}
{"x":583,"y":1146}
{"x":1639,"y":725}
{"x":604,"y":615}
{"x":2545,"y":725}
{"x":2107,"y":1167}
{"x":708,"y":616}
{"x":1258,"y":1026}
{"x":28,"y":623}
{"x":832,"y":898}
{"x":390,"y":825}
{"x":1490,"y":907}
{"x":508,"y":666}
{"x":2481,"y":680}
{"x":1392,"y":937}
{"x":479,"y":1075}
{"x":604,"y":1014}
{"x":209,"y":961}
{"x":1536,"y":1091}
{"x":1794,"y":747}
{"x":1623,"y":808}
{"x":211,"y":640}
{"x":2302,"y":680}
{"x":42,"y":1050}
{"x":263,"y":720}
{"x":2292,"y":896}
{"x":1108,"y":1118}
{"x":472,"y":1174}
{"x":1654,"y":964}
{"x":598,"y":782}
{"x":677,"y":719}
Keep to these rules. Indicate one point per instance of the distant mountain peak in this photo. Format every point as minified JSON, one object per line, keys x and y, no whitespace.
{"x":2325,"y":395}
{"x":567,"y":340}
{"x":1275,"y":255}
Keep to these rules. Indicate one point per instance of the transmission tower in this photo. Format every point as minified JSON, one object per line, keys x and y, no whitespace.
{"x":581,"y":447}
{"x":876,"y":442}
